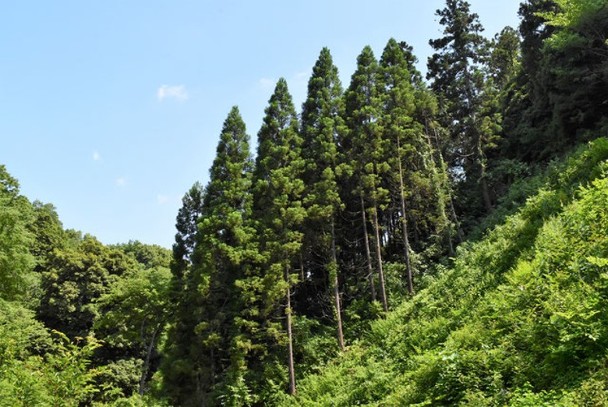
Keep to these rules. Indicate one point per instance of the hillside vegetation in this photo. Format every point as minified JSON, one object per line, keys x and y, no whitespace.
{"x":396,"y":242}
{"x":519,"y":319}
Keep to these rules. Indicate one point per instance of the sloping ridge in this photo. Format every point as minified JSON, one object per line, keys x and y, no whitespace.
{"x":519,"y":319}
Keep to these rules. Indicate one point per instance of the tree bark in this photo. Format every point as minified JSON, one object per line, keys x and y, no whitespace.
{"x":370,"y":271}
{"x":446,"y":186}
{"x":379,"y":257}
{"x":146,"y":367}
{"x":334,"y":271}
{"x":406,"y":242}
{"x":292,"y":371}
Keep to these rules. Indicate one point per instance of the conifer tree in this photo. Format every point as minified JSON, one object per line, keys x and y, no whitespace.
{"x":458,"y":79}
{"x":365,"y":148}
{"x":220,"y":251}
{"x":401,"y":131}
{"x":279,"y":214}
{"x":322,"y":123}
{"x":185,"y":238}
{"x":180,"y":381}
{"x":220,"y":254}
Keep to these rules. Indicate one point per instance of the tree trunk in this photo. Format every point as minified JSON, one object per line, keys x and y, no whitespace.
{"x":485,"y":192}
{"x":146,"y":367}
{"x":456,"y":221}
{"x":335,"y":282}
{"x":370,"y":272}
{"x":406,"y":243}
{"x":302,"y":276}
{"x":483,"y":182}
{"x":447,"y":188}
{"x":379,"y":257}
{"x":292,"y":371}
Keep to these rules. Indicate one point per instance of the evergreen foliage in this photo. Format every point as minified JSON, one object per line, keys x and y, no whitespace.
{"x":279,"y":215}
{"x":469,"y":202}
{"x":322,"y":127}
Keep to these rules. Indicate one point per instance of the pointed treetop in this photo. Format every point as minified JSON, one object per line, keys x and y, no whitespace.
{"x":278,"y":137}
{"x":229,"y":174}
{"x":324,"y":86}
{"x":233,"y":144}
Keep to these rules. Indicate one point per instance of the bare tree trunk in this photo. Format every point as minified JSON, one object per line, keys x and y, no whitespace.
{"x":379,"y":257}
{"x":334,"y":272}
{"x":301,"y":267}
{"x":146,"y":367}
{"x":456,"y":221}
{"x":406,"y":242}
{"x":370,"y":271}
{"x":483,"y":181}
{"x":292,"y":371}
{"x":450,"y":198}
{"x":485,"y":192}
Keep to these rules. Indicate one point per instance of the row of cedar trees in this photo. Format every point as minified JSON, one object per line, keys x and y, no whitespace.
{"x":330,"y":194}
{"x":389,"y":171}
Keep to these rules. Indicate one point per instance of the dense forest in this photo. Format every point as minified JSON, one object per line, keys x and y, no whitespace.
{"x":402,"y":240}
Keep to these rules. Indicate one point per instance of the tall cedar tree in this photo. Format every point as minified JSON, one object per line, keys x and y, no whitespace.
{"x":527,"y":110}
{"x":403,"y":134}
{"x":180,"y":379}
{"x":437,"y":234}
{"x":322,"y":123}
{"x":279,"y":213}
{"x":366,"y":153}
{"x":426,"y":113}
{"x":218,"y":262}
{"x":575,"y":73}
{"x":185,"y":238}
{"x":456,"y":70}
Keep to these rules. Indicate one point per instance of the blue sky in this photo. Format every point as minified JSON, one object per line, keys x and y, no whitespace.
{"x":112,"y":109}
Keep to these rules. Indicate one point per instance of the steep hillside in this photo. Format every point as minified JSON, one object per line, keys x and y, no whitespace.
{"x":519,"y":319}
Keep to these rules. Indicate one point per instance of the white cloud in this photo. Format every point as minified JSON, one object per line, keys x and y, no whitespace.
{"x":176,"y":92}
{"x":121,"y":182}
{"x":162,"y":199}
{"x":96,"y":156}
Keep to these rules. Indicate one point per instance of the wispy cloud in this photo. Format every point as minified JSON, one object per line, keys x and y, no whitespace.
{"x":175,"y":92}
{"x":121,"y":182}
{"x":162,"y":199}
{"x":96,"y":156}
{"x":295,"y":80}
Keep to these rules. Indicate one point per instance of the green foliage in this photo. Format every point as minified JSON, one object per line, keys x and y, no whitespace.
{"x":240,"y":308}
{"x":131,"y":318}
{"x":518,"y":320}
{"x":76,"y":277}
{"x":42,"y":368}
{"x":16,"y":262}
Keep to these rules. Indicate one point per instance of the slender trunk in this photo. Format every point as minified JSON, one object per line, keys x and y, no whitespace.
{"x":483,"y":182}
{"x":370,"y":272}
{"x":292,"y":371}
{"x":450,"y":197}
{"x":485,"y":193}
{"x":406,"y":243}
{"x":442,"y":188}
{"x":379,"y":257}
{"x":146,"y":367}
{"x":212,"y":356}
{"x":335,"y":282}
{"x":301,"y":267}
{"x":456,"y":221}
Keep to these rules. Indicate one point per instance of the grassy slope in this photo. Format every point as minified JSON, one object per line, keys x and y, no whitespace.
{"x":519,"y":319}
